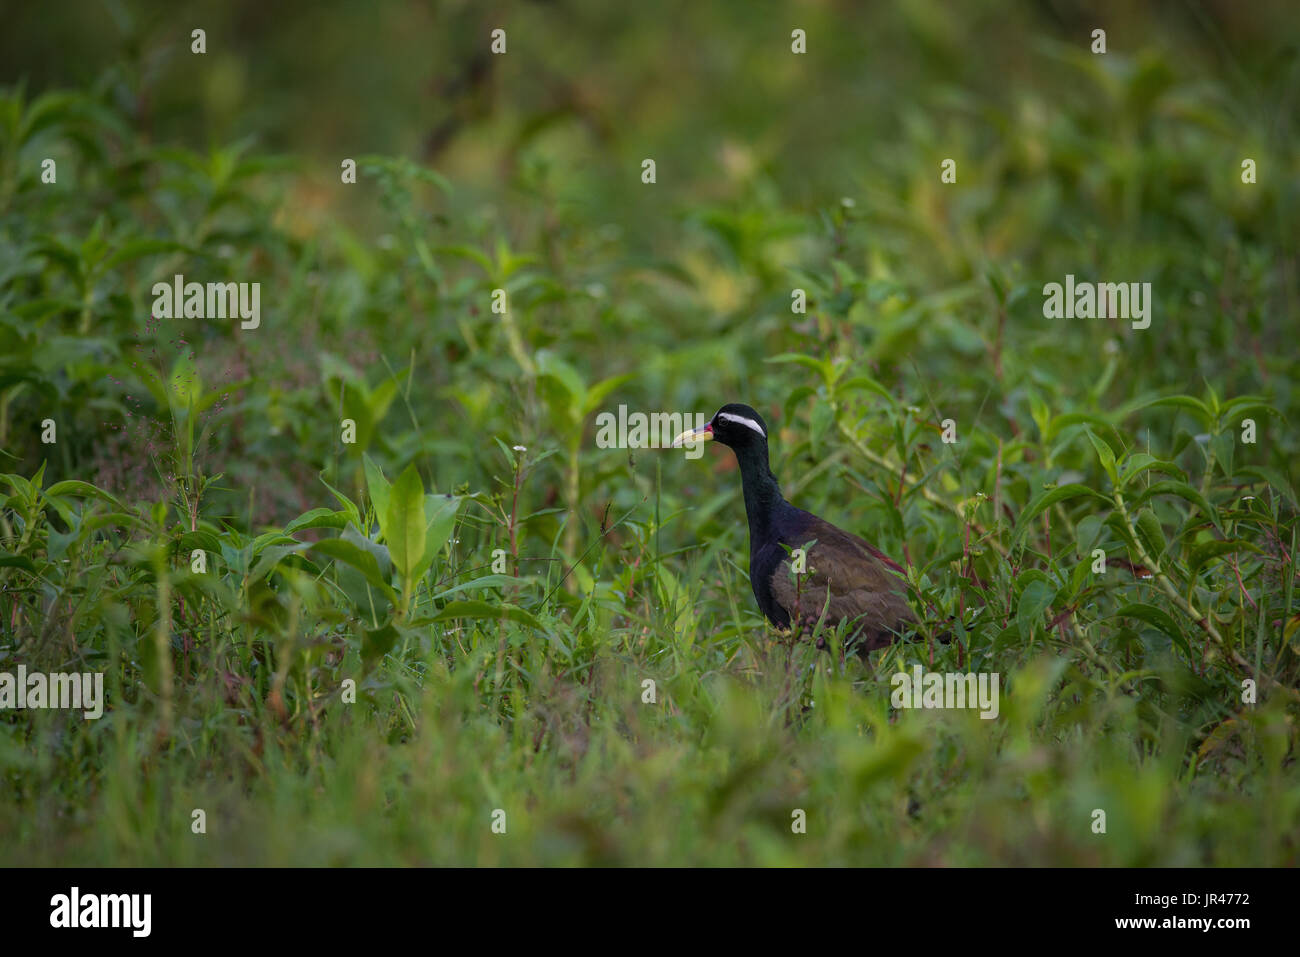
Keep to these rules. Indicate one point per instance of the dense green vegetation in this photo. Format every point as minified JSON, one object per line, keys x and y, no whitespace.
{"x":199,"y":531}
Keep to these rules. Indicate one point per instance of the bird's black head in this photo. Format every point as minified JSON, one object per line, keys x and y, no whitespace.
{"x":734,"y":425}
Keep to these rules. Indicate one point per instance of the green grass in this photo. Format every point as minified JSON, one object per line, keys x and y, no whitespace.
{"x":348,"y":679}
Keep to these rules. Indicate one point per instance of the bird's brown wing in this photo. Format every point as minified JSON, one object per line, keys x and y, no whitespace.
{"x":864,"y":585}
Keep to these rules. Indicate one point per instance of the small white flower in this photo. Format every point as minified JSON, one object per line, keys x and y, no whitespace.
{"x":520,"y":448}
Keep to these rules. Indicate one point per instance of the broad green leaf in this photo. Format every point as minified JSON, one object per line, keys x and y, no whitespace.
{"x":1139,"y":462}
{"x":440,"y":516}
{"x":1153,"y":535}
{"x":1088,"y":530}
{"x":1160,"y":619}
{"x":1183,"y":490}
{"x":354,"y":556}
{"x":206,"y":540}
{"x":1204,"y":552}
{"x":274,"y":537}
{"x":318,"y":518}
{"x":377,"y":642}
{"x":406,"y":531}
{"x":371,"y":600}
{"x":1036,"y":598}
{"x":1046,"y":499}
{"x":1270,"y":477}
{"x":271,"y":557}
{"x":9,"y":560}
{"x":194,"y":586}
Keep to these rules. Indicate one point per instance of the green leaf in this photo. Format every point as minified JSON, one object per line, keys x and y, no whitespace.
{"x":354,"y":514}
{"x":1160,"y":619}
{"x":1183,"y":490}
{"x":406,"y":531}
{"x":470,"y":253}
{"x":354,"y":556}
{"x":1204,"y":552}
{"x":1080,"y":577}
{"x":1034,"y":602}
{"x":318,"y":518}
{"x":139,"y":248}
{"x":858,"y":382}
{"x":9,"y":560}
{"x":371,"y":595}
{"x":379,"y":488}
{"x":597,"y":393}
{"x":1269,"y":477}
{"x":676,"y":599}
{"x":440,"y":514}
{"x":209,"y":399}
{"x":473,"y":608}
{"x":186,"y":542}
{"x":1106,"y":456}
{"x":377,"y":642}
{"x":1153,"y":535}
{"x":797,"y":395}
{"x":1046,"y":499}
{"x":821,"y":366}
{"x":486,"y":581}
{"x":1067,"y":419}
{"x":1195,"y":406}
{"x":1139,"y":462}
{"x":195,"y":586}
{"x":1088,"y":529}
{"x":381,"y":399}
{"x":274,"y":537}
{"x":271,"y":557}
{"x":83,"y":490}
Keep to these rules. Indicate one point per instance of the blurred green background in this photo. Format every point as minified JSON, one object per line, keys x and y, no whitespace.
{"x":774,"y":171}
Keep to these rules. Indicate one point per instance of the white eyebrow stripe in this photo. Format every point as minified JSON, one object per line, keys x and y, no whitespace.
{"x":743,"y":421}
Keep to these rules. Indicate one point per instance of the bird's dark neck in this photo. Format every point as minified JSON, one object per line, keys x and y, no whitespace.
{"x":763,"y":499}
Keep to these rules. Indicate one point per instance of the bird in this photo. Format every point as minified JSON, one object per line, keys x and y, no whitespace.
{"x":843,"y":574}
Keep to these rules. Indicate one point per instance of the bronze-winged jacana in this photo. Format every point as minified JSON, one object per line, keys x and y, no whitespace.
{"x":864,"y":584}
